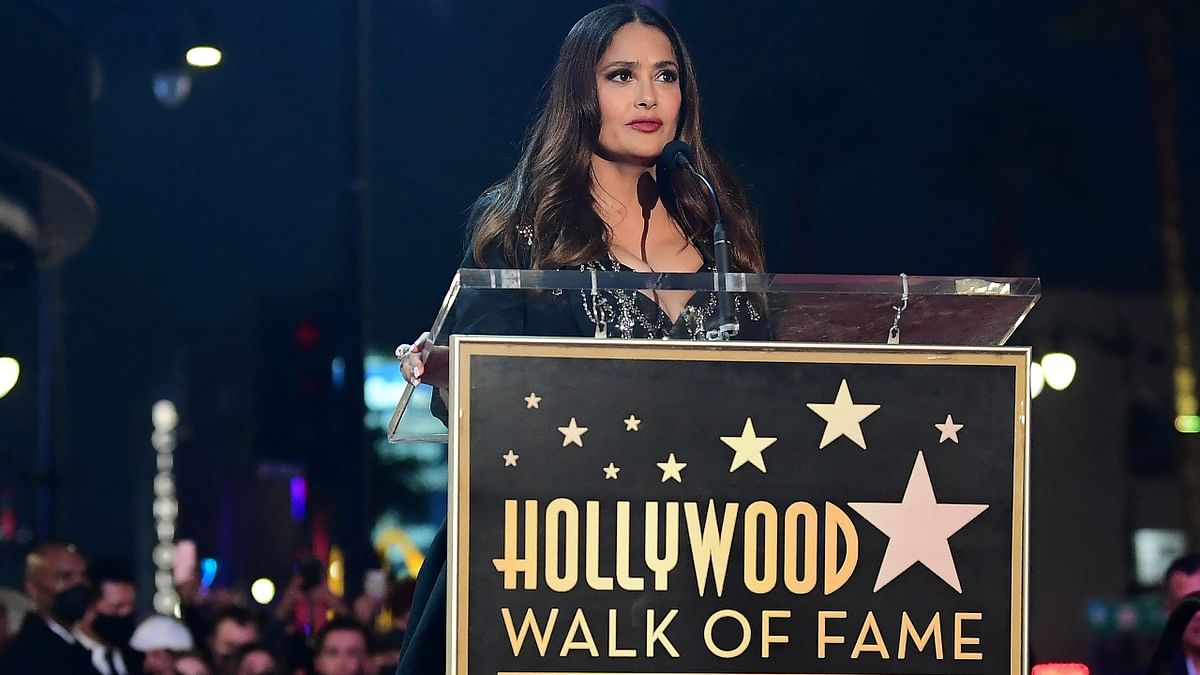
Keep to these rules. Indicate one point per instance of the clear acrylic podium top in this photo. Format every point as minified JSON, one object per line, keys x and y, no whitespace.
{"x":798,"y":308}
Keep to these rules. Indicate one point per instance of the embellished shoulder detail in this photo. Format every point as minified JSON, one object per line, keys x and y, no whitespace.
{"x":630,"y":314}
{"x":525,"y":234}
{"x":523,"y":246}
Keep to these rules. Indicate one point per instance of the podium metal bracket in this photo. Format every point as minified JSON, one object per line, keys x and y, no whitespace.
{"x":894,"y":333}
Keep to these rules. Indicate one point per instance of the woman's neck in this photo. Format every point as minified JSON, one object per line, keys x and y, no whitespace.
{"x":624,"y":193}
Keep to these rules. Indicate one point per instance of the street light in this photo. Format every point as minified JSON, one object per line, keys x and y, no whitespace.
{"x":263,"y":591}
{"x":1059,"y":370}
{"x":1037,"y":380}
{"x":10,"y":372}
{"x":203,"y":56}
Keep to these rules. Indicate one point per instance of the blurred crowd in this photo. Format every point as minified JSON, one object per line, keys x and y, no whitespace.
{"x":76,"y":617}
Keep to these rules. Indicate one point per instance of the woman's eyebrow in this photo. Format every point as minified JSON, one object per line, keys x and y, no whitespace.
{"x":634,"y":64}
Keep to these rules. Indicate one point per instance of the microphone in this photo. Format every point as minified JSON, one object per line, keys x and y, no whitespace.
{"x":678,"y":155}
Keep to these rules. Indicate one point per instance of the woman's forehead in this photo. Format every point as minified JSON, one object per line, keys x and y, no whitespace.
{"x":638,"y":42}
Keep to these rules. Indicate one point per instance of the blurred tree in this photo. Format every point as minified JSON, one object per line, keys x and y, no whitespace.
{"x":1155,"y":23}
{"x":1010,"y":151}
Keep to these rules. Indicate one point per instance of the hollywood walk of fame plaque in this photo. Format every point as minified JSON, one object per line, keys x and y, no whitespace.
{"x":736,"y":508}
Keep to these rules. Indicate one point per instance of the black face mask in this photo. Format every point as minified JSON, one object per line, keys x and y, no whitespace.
{"x":71,"y":604}
{"x":114,"y":629}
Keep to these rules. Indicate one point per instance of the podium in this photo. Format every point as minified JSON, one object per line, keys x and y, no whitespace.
{"x":847,"y":496}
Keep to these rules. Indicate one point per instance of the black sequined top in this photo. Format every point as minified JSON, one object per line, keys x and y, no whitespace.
{"x":627,"y":314}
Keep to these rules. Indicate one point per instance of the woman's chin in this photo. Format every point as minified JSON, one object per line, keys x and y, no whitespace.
{"x":642,"y":157}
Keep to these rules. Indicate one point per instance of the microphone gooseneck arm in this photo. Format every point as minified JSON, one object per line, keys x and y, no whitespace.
{"x":726,"y":326}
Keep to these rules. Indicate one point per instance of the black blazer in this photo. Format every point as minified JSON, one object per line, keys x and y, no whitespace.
{"x":37,"y":650}
{"x":423,"y":651}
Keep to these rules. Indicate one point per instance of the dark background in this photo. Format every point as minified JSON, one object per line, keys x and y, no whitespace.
{"x":990,"y":137}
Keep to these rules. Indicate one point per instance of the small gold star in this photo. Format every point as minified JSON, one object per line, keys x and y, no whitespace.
{"x":843,"y":417}
{"x":632,"y":423}
{"x":532,"y":400}
{"x":610,"y":471}
{"x":510,"y":458}
{"x":949,"y":430}
{"x":748,"y":448}
{"x":573,"y":433}
{"x":672,"y":469}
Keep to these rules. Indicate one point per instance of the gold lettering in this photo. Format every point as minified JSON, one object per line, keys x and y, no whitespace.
{"x":808,"y":581}
{"x":764,"y":511}
{"x":710,"y":545}
{"x":592,"y":550}
{"x":769,"y":638}
{"x":670,"y":557}
{"x":579,"y":625}
{"x":932,"y":631}
{"x":517,"y":639}
{"x":837,"y":522}
{"x":712,"y":621}
{"x":562,"y":509}
{"x":627,"y":582}
{"x":512,"y":563}
{"x":613,"y":649}
{"x":657,"y":632}
{"x":961,"y":640}
{"x":861,"y":645}
{"x":824,"y":638}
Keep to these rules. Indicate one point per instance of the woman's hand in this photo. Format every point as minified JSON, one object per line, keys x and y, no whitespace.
{"x":423,"y":361}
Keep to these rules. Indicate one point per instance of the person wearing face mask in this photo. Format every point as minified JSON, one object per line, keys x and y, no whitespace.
{"x":109,"y":621}
{"x":57,"y":586}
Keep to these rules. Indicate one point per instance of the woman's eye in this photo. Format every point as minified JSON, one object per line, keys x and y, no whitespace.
{"x":620,"y":76}
{"x":668,"y":76}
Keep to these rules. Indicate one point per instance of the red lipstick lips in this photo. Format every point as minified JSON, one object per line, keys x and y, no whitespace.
{"x":646,"y":125}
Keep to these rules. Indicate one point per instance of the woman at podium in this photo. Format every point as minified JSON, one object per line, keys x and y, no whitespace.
{"x":588,"y":194}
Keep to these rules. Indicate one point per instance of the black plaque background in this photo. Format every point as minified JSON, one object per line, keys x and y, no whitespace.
{"x":684,"y":407}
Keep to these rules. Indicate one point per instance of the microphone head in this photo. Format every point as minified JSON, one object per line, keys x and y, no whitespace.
{"x":676,"y":155}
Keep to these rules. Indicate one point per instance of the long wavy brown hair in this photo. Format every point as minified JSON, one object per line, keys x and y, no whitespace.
{"x":549,"y":192}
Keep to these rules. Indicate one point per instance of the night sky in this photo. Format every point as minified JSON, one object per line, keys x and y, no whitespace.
{"x":862,"y":129}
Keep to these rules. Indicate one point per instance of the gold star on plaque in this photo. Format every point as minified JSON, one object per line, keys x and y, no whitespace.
{"x":510,"y":458}
{"x":843,"y":417}
{"x":748,"y":448}
{"x":532,"y":400}
{"x":671,"y":469}
{"x":610,"y":471}
{"x":573,"y":433}
{"x":949,"y":430}
{"x":918,"y":529}
{"x":632,"y":423}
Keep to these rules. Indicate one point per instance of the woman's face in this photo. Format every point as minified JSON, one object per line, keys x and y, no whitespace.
{"x":637,"y":84}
